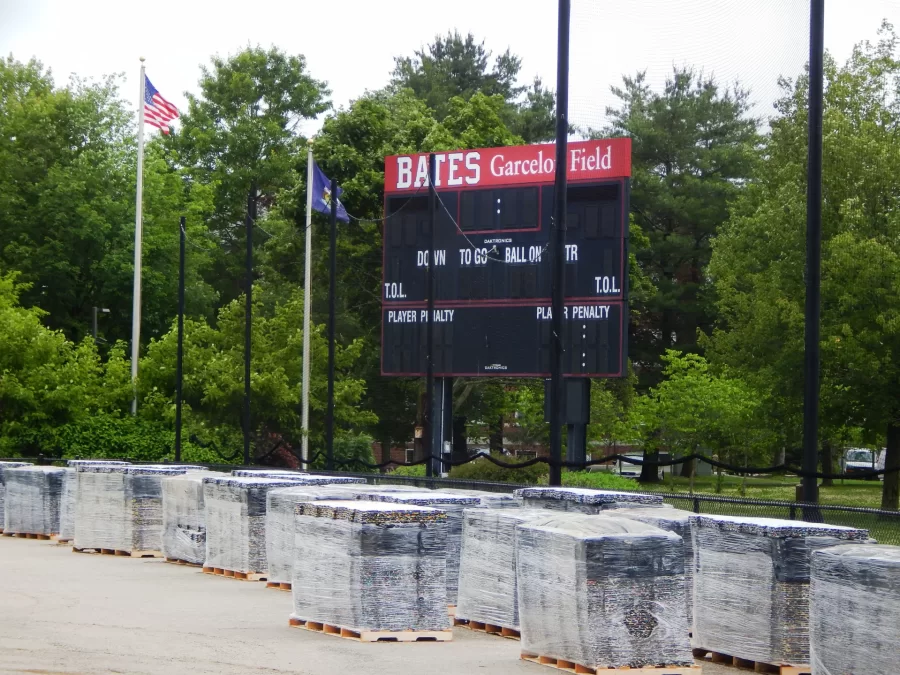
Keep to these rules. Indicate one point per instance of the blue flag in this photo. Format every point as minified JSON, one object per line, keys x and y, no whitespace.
{"x":321,"y":195}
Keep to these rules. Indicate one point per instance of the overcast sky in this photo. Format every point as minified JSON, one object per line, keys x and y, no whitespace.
{"x":352,"y":43}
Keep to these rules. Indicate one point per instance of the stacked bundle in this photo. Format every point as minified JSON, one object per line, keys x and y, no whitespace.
{"x":280,"y":513}
{"x":184,"y":517}
{"x":451,"y":504}
{"x":4,"y":467}
{"x":368,"y":566}
{"x":33,"y":495}
{"x":751,"y":584}
{"x":266,"y":473}
{"x":490,"y":500}
{"x":671,"y":520}
{"x":487,"y":565}
{"x":602,"y":592}
{"x":120,"y":507}
{"x":854,"y":609}
{"x":70,"y":490}
{"x":236,"y":522}
{"x":583,"y":500}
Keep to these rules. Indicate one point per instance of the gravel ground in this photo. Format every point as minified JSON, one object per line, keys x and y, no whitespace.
{"x":63,"y":612}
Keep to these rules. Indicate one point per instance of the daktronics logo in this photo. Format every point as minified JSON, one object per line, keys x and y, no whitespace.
{"x":495,"y":366}
{"x":520,"y":164}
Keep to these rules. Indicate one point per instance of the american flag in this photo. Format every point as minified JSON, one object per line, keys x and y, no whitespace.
{"x":157,"y":110}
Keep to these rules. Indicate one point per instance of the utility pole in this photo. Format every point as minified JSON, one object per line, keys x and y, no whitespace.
{"x":558,"y":245}
{"x":248,"y":316}
{"x":813,"y":257}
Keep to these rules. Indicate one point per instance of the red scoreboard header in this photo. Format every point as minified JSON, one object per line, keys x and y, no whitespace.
{"x":514,"y":165}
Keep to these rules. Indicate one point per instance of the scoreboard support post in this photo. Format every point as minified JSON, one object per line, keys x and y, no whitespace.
{"x":442,"y":426}
{"x":558,"y":244}
{"x":429,"y":329}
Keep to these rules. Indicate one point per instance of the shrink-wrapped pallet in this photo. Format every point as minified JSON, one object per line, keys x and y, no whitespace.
{"x":602,"y":592}
{"x":583,"y":500}
{"x":370,"y":566}
{"x":184,"y":517}
{"x":280,"y":517}
{"x":854,"y":607}
{"x":4,"y":467}
{"x":70,"y":490}
{"x":679,"y":522}
{"x":33,"y":497}
{"x":236,"y":522}
{"x":491,"y":500}
{"x":451,"y":504}
{"x":120,"y":507}
{"x":487,"y":565}
{"x":751,"y":584}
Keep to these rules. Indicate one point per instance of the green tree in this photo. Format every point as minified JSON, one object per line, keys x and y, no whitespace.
{"x":693,"y":146}
{"x":241,"y":133}
{"x":455,"y":66}
{"x":759,"y":256}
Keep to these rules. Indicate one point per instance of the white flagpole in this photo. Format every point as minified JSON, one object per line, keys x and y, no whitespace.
{"x":307,"y":292}
{"x":136,"y":300}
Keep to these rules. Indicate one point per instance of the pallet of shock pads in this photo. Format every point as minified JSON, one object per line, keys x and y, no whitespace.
{"x":487,"y":599}
{"x":236,"y":525}
{"x":371,"y":571}
{"x":69,"y":492}
{"x":679,"y":522}
{"x":583,"y":500}
{"x":33,"y":498}
{"x":751,"y":589}
{"x":451,"y":504}
{"x":280,"y":505}
{"x":184,"y":518}
{"x":4,"y":467}
{"x":118,"y":509}
{"x":854,"y":609}
{"x":600,"y":593}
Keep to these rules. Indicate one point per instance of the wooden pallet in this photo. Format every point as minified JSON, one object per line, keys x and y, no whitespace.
{"x":570,"y":666}
{"x":374,"y":635}
{"x":115,"y":552}
{"x":231,"y":574}
{"x":179,"y":561}
{"x":32,"y":535}
{"x":488,"y":628}
{"x":755,"y":666}
{"x":451,"y":610}
{"x":279,"y":586}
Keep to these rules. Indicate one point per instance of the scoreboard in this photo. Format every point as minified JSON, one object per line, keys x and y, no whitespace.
{"x":493,"y":224}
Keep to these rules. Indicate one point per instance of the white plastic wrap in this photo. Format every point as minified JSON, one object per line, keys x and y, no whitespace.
{"x":280,"y":518}
{"x":120,"y":507}
{"x":490,"y":500}
{"x":583,"y":500}
{"x":487,"y":565}
{"x":602,"y":592}
{"x":70,"y":490}
{"x":184,"y":517}
{"x":672,"y":520}
{"x":33,"y":496}
{"x":855,"y":609}
{"x":751,"y":584}
{"x":370,"y":566}
{"x":451,"y":504}
{"x":4,"y":467}
{"x":266,"y":473}
{"x":236,"y":522}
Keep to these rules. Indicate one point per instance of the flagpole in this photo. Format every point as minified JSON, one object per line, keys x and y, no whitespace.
{"x":136,"y":299}
{"x":304,"y":451}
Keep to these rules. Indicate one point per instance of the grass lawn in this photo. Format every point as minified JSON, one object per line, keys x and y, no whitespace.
{"x":861,"y":493}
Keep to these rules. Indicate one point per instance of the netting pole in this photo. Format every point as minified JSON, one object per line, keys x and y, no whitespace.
{"x":813,"y":254}
{"x":558,"y":245}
